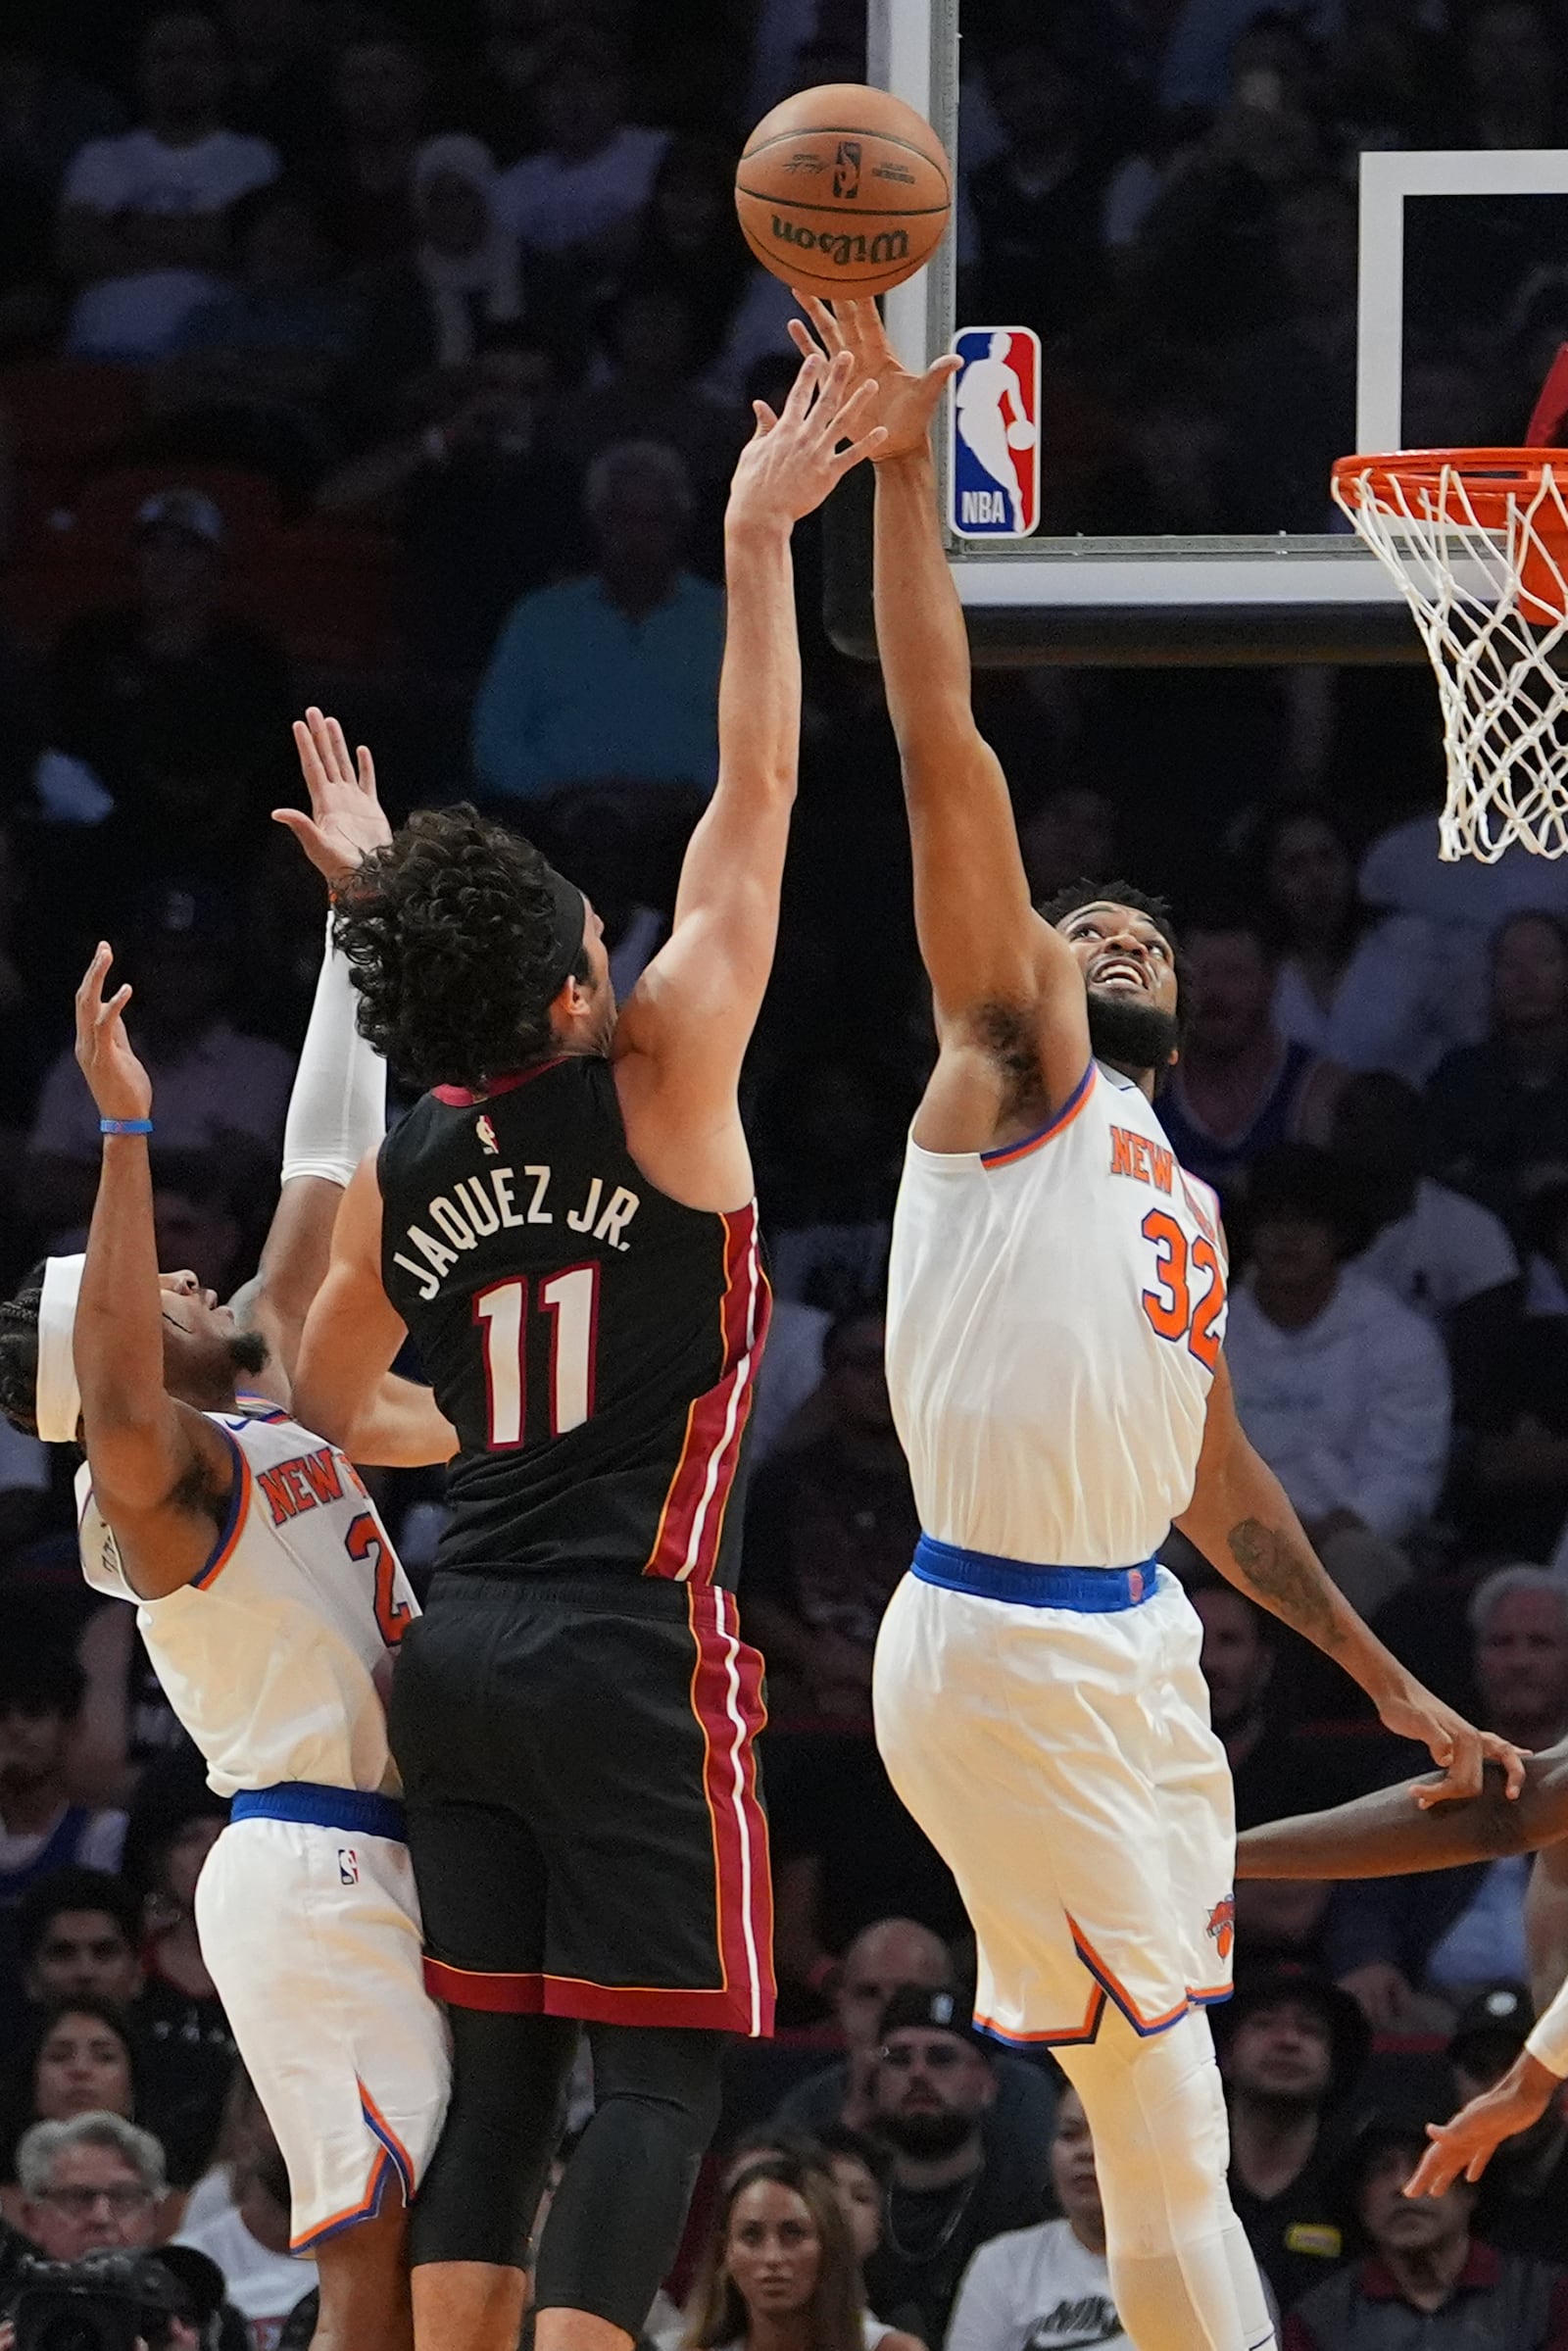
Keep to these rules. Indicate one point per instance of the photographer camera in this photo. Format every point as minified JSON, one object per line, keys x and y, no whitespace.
{"x":107,"y":2301}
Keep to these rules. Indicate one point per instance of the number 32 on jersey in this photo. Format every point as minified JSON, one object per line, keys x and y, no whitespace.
{"x":1187,"y":1295}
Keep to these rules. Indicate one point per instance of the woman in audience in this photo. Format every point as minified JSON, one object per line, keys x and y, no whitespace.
{"x":782,"y":2271}
{"x":1360,"y":989}
{"x":457,"y":293}
{"x":80,"y":2059}
{"x":1500,"y":1108}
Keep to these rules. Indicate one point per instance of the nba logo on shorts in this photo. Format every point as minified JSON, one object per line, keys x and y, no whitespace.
{"x":995,"y":450}
{"x":348,"y":1865}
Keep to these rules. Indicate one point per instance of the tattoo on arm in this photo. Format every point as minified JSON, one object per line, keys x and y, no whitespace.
{"x":1286,"y":1580}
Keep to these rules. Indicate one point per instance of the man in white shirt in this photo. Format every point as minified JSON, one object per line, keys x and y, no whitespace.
{"x":1343,"y":1390}
{"x":249,"y":2241}
{"x":1046,"y":2288}
{"x":144,"y":217}
{"x":594,"y":172}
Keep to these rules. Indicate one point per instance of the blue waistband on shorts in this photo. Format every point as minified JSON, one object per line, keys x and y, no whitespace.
{"x":1093,"y":1590}
{"x":349,"y":1808}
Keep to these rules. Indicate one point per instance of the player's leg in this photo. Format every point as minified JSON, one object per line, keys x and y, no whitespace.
{"x":1181,"y":2269}
{"x":364,"y":2277}
{"x":656,"y":2092}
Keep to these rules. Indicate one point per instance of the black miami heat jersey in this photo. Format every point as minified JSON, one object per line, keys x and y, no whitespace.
{"x":593,"y":1342}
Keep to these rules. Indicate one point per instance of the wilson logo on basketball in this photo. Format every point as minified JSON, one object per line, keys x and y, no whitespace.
{"x":1222,"y":1926}
{"x":803,"y":162}
{"x":842,"y":249}
{"x":847,"y":171}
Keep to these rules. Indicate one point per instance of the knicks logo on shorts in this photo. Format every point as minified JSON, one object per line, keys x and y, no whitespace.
{"x":994,"y":446}
{"x":348,"y":1865}
{"x":1221,"y":1928}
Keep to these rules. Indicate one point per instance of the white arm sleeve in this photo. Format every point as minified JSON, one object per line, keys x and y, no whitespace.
{"x":1547,"y":2045}
{"x":337,"y":1110}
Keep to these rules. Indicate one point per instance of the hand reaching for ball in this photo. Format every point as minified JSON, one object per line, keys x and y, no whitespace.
{"x":794,"y":458}
{"x":905,"y":403}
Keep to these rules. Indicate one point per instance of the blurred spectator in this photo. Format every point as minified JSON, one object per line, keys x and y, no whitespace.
{"x":1427,"y":2278}
{"x":77,"y":1934}
{"x":1464,"y":900}
{"x":645,"y":389}
{"x":1439,"y":1252}
{"x":615,"y":675}
{"x":190,"y":2050}
{"x":249,"y":378}
{"x":1047,"y":2287}
{"x":688,"y":245}
{"x":144,"y":226}
{"x":1399,"y":1942}
{"x":458,"y":292}
{"x":1524,"y":2190}
{"x":830,"y":1531}
{"x":1343,"y":1390}
{"x":176,"y":706}
{"x":363,"y":172}
{"x":250,"y":2244}
{"x":1500,"y":1111}
{"x":862,"y":2171}
{"x":279,"y":73}
{"x":90,"y":2182}
{"x":78,"y":2058}
{"x":126,"y":1721}
{"x":41,"y":1690}
{"x":1274,"y":1771}
{"x":594,"y":171}
{"x":47,"y":115}
{"x":1292,"y":2050}
{"x":1293,"y":387}
{"x":486,"y":517}
{"x":933,"y":2085}
{"x":1363,"y":991}
{"x":1071,"y":837}
{"x":888,"y":1957}
{"x":1519,"y":1467}
{"x":780,"y":2265}
{"x":24,"y":1032}
{"x":218,"y":1090}
{"x":830,"y":1135}
{"x":1239,"y":1088}
{"x":1036,"y":212}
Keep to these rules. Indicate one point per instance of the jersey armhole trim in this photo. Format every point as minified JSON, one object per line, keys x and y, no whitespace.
{"x":1032,"y":1142}
{"x":239,"y":1503}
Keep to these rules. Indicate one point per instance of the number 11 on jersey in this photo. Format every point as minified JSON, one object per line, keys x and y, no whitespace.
{"x":501,"y":1314}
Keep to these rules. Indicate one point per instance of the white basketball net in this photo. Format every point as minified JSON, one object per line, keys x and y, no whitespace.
{"x":1471,"y":584}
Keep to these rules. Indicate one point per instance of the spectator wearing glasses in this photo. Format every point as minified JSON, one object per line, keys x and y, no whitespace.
{"x":91,"y":2183}
{"x":934,"y":2085}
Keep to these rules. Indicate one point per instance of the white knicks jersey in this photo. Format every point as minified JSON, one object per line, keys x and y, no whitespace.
{"x":269,"y":1656}
{"x":1055,"y":1316}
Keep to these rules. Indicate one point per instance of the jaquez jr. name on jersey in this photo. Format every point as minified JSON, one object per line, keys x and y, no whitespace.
{"x":501,"y":1196}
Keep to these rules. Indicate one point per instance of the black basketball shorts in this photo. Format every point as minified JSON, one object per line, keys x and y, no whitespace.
{"x":583,"y":1809}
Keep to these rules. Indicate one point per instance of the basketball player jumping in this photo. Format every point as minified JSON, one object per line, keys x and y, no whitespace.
{"x":269,"y":1601}
{"x":1385,"y":1835}
{"x":564,"y":1223}
{"x":1056,"y":1312}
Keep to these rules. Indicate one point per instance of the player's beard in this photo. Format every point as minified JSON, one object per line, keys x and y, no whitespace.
{"x":248,"y":1352}
{"x":1129,"y":1032}
{"x":925,"y":2136}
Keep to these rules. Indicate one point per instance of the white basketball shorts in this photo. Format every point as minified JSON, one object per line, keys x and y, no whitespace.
{"x":312,"y":1936}
{"x":1063,"y":1766}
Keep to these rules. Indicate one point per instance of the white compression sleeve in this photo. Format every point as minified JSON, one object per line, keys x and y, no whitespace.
{"x":1547,"y":2043}
{"x":337,"y":1110}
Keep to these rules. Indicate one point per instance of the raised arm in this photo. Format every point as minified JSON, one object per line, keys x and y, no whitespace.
{"x":344,"y":1387}
{"x":162,"y":1473}
{"x":1240,"y":1519}
{"x":683,"y":1036}
{"x":990,"y":957}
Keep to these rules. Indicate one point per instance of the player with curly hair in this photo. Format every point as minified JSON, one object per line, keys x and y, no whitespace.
{"x":564,"y":1223}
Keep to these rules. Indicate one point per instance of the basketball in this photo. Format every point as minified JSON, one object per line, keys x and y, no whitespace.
{"x":843,"y":190}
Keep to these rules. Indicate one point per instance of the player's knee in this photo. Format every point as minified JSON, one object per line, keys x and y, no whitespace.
{"x":509,"y":2077}
{"x":670,"y":2081}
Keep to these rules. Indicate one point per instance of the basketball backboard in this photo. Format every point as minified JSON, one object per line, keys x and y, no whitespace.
{"x":1444,"y":243}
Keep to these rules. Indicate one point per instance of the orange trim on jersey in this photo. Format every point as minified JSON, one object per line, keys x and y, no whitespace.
{"x":388,"y":2138}
{"x":239,"y":1503}
{"x":1071,"y":2038}
{"x":368,"y":2203}
{"x":1032,"y":1142}
{"x":576,"y":1996}
{"x":1119,"y":1990}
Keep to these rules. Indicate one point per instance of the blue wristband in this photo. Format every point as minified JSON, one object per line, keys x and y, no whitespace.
{"x":125,"y":1126}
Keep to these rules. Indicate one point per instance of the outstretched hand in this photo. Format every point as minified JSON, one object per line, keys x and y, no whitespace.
{"x":121,"y":1085}
{"x":346,"y":819}
{"x":905,"y":403}
{"x":1468,"y":2143}
{"x":1459,"y":1749}
{"x":793,"y":460}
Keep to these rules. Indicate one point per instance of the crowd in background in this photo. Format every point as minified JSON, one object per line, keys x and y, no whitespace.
{"x":396,"y":357}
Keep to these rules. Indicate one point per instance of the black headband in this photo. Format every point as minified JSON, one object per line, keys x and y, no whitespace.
{"x":568,"y":924}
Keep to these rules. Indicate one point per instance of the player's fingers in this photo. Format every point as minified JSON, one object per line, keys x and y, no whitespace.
{"x":802,"y":391}
{"x":834,"y":396}
{"x":1512,"y":1760}
{"x":1463,"y":1764}
{"x":342,"y":765}
{"x":822,"y":318}
{"x":867,"y":446}
{"x":297,"y":823}
{"x":311,"y":767}
{"x":94,"y":972}
{"x":366,"y":767}
{"x":765,"y":419}
{"x":117,"y":1002}
{"x":800,"y":335}
{"x":941,"y":372}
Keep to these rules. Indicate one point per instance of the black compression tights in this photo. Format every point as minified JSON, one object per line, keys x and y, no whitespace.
{"x":618,"y":2215}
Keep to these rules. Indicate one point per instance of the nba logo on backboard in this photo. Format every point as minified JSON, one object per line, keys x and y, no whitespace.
{"x":994,"y":469}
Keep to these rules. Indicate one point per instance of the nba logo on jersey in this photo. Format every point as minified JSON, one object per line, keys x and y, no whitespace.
{"x":995,"y":453}
{"x":348,"y":1865}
